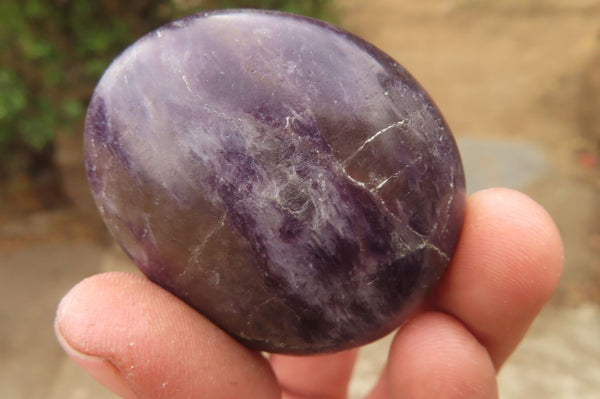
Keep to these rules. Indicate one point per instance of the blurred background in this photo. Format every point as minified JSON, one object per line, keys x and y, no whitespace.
{"x":517,"y":80}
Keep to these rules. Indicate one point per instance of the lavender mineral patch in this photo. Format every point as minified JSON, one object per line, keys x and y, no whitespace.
{"x":285,"y":178}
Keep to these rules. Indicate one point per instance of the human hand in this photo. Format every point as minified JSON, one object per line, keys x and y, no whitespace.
{"x":142,"y":342}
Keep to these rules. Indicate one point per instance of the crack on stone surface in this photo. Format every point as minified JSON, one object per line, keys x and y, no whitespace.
{"x":227,"y":118}
{"x":397,"y":173}
{"x":384,"y":206}
{"x":452,"y":195}
{"x":357,"y":182}
{"x":429,"y":245}
{"x":195,"y":253}
{"x":412,"y":230}
{"x":256,"y":309}
{"x":401,"y":122}
{"x":187,"y":84}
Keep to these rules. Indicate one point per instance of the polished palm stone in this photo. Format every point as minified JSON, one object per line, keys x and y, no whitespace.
{"x":285,"y":178}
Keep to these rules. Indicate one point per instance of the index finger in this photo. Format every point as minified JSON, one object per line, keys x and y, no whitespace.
{"x":506,"y":266}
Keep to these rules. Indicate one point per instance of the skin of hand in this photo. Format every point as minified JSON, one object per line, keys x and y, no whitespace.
{"x":142,"y":342}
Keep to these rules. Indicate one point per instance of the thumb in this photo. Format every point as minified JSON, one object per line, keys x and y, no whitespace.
{"x":142,"y":342}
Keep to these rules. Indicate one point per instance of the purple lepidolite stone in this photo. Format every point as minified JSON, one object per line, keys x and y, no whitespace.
{"x":285,"y":178}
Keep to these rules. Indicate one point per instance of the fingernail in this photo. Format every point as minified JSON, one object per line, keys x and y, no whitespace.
{"x":101,"y":369}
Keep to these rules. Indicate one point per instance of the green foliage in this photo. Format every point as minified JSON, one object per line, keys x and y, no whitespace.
{"x":322,"y":9}
{"x":52,"y":53}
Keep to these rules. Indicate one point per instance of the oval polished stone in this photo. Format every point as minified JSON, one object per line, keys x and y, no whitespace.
{"x":285,"y":178}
